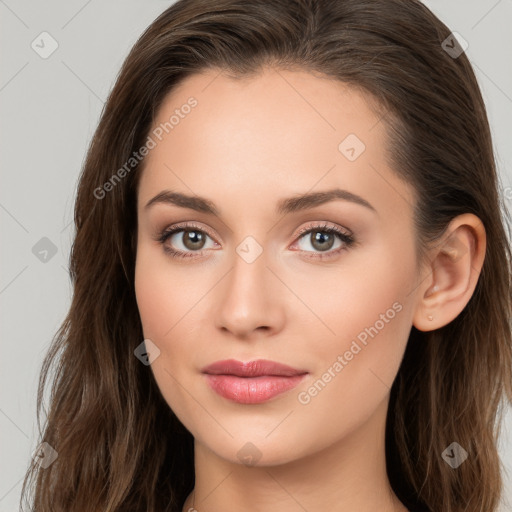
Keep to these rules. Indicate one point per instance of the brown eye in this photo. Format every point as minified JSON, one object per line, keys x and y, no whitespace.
{"x":184,"y":241}
{"x":193,"y":239}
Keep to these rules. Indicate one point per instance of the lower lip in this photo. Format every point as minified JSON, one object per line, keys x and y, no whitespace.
{"x":252,"y":390}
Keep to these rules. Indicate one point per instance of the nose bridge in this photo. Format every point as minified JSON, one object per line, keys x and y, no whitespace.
{"x":250,"y":299}
{"x":250,"y":265}
{"x":248,"y":280}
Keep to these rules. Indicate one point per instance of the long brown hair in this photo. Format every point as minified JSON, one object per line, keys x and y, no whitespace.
{"x":119,"y":445}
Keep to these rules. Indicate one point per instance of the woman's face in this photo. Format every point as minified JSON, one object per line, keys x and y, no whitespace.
{"x":249,"y":284}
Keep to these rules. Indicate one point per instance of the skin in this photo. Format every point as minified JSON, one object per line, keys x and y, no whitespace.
{"x":245,"y":146}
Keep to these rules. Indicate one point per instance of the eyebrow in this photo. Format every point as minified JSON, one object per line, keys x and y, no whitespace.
{"x":284,"y":206}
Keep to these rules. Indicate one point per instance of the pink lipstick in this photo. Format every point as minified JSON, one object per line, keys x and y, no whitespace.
{"x":253,"y":382}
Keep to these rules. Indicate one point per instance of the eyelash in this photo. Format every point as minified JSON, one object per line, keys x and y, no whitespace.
{"x":348,"y":240}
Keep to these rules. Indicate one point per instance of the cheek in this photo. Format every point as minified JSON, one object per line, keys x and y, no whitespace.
{"x":161,"y":297}
{"x":163,"y":313}
{"x":365,"y":298}
{"x":356,"y":367}
{"x":367,"y":316}
{"x":150,"y":299}
{"x":171,"y":312}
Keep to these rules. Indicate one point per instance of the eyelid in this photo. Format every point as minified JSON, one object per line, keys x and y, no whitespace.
{"x":323,"y":225}
{"x":186,"y":225}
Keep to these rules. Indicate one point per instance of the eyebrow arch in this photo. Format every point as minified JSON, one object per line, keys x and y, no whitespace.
{"x":284,"y":206}
{"x":312,"y":199}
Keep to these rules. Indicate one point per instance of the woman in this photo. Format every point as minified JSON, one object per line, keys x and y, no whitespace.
{"x":291,"y":272}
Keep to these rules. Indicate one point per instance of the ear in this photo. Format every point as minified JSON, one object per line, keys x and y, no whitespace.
{"x":455,"y":265}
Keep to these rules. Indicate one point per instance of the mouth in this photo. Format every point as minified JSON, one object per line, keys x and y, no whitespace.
{"x":253,"y":382}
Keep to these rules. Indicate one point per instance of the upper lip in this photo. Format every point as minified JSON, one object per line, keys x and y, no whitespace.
{"x":255,"y":368}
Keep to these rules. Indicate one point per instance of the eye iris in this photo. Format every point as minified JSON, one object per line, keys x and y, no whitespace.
{"x":322,"y":236}
{"x":193,"y":239}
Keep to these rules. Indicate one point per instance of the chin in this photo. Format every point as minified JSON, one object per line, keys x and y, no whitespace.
{"x":254,"y":449}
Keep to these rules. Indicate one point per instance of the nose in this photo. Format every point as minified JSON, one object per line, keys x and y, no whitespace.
{"x":251,"y":299}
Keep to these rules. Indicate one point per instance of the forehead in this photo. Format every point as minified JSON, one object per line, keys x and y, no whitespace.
{"x":271,"y":101}
{"x":260,"y":136}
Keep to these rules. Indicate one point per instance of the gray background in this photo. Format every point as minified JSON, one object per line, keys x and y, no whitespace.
{"x":49,"y":109}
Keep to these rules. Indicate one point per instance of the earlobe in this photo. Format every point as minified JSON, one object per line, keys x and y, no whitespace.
{"x":455,"y":266}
